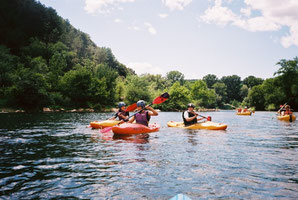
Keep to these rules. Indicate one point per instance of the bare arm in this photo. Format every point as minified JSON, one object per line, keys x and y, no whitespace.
{"x":153,"y":112}
{"x":132,"y":119}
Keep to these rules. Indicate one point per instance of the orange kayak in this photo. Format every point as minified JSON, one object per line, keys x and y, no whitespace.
{"x":287,"y":117}
{"x":244,"y":113}
{"x":104,"y":124}
{"x":131,"y":129}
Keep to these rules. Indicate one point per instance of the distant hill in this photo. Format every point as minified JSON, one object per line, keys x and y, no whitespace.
{"x":46,"y":62}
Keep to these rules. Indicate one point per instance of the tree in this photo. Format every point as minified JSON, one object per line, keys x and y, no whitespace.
{"x":288,"y":74}
{"x":256,"y":97}
{"x":221,"y":93}
{"x":251,"y":81}
{"x":179,"y":97}
{"x":202,"y":95}
{"x":233,"y":84}
{"x":30,"y":90}
{"x":210,"y":80}
{"x":174,"y":76}
{"x":137,"y":88}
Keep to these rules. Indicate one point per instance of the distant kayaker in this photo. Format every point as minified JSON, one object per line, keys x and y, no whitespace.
{"x":144,"y":113}
{"x":189,"y":116}
{"x":121,"y":114}
{"x":288,"y":110}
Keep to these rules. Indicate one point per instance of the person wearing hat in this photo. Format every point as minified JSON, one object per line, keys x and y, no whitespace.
{"x":288,"y":110}
{"x":144,"y":113}
{"x":189,"y":116}
{"x":121,"y":114}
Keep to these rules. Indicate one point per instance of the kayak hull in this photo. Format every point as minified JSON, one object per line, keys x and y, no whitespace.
{"x":243,"y":113}
{"x":103,"y":124}
{"x":180,"y":197}
{"x":204,"y":125}
{"x":132,"y":129}
{"x":286,"y":117}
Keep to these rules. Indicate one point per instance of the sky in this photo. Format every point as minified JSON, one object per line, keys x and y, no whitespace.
{"x":194,"y":37}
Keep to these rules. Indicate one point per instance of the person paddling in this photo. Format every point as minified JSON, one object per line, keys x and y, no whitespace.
{"x":143,"y":116}
{"x":121,"y":114}
{"x":288,"y":110}
{"x":189,"y":116}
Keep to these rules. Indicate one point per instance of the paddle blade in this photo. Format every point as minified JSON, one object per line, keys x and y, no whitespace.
{"x":209,"y":118}
{"x":161,"y":98}
{"x":132,"y":107}
{"x":105,"y":130}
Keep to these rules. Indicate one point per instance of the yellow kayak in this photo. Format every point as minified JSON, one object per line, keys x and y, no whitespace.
{"x":244,"y":113}
{"x":104,"y":124}
{"x":203,"y":125}
{"x":287,"y":117}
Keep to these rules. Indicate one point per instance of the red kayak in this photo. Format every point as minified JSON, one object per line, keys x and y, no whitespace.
{"x":132,"y":129}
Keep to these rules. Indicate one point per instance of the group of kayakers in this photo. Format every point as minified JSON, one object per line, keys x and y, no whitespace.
{"x":144,"y":114}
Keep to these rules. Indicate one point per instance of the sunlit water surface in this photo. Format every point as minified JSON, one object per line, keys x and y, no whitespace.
{"x":45,"y":156}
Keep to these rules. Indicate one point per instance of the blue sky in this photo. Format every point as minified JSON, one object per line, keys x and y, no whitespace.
{"x":195,"y":37}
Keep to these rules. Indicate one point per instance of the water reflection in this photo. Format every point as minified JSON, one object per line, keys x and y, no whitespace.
{"x":54,"y":156}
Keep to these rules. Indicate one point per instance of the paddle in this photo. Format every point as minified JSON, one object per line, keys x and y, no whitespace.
{"x":281,"y":107}
{"x":158,"y":100}
{"x":208,"y":118}
{"x":132,"y":107}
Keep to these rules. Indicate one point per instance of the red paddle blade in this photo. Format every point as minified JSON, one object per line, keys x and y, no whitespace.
{"x":105,"y":130}
{"x":209,"y":118}
{"x":161,"y":98}
{"x":132,"y":107}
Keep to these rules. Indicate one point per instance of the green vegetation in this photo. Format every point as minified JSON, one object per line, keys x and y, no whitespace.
{"x":46,"y":62}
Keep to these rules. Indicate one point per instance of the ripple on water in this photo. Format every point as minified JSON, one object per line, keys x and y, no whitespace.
{"x":56,"y":156}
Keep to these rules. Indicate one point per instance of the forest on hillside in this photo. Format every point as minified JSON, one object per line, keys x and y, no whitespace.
{"x":46,"y":62}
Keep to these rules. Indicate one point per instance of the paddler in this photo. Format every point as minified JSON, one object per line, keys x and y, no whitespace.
{"x":144,"y":113}
{"x":121,"y":113}
{"x":190,"y":116}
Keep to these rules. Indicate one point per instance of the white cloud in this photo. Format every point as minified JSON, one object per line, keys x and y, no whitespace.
{"x":144,"y":67}
{"x":246,"y":11}
{"x":91,"y":6}
{"x":163,"y":15}
{"x":176,"y":4}
{"x":134,"y":28}
{"x":118,"y":21}
{"x":150,"y":28}
{"x":274,"y":15}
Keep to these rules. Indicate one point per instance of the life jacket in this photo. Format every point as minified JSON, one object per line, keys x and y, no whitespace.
{"x":287,"y":112}
{"x":124,"y":113}
{"x":142,"y":118}
{"x":186,"y":123}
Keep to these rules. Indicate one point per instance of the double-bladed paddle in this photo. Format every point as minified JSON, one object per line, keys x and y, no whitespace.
{"x":158,"y":100}
{"x":132,"y":107}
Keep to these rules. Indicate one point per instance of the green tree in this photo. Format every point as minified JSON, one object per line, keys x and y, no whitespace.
{"x":137,"y":88}
{"x":288,"y":74}
{"x":221,"y":93}
{"x":251,"y":81}
{"x":210,"y":80}
{"x":179,"y":98}
{"x":233,"y":84}
{"x":30,"y":89}
{"x":256,"y":97}
{"x":174,"y":76}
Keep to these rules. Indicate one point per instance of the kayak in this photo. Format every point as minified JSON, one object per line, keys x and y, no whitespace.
{"x":180,"y":197}
{"x":103,"y":124}
{"x":203,"y":125}
{"x":131,"y":129}
{"x":244,"y":113}
{"x":287,"y":117}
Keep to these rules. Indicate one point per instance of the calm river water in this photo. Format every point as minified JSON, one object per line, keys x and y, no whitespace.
{"x":56,"y":156}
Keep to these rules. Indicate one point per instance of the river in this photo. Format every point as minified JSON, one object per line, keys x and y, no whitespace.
{"x":57,"y":156}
